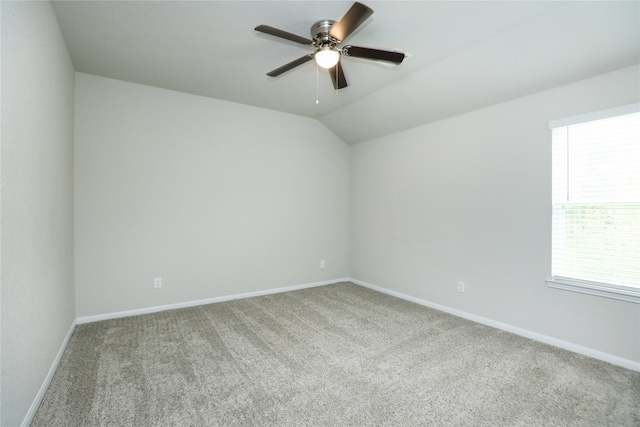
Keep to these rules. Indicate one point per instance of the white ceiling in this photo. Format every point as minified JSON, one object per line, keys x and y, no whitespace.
{"x":464,"y":55}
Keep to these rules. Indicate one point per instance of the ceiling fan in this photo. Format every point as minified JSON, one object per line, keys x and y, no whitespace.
{"x":327,"y":37}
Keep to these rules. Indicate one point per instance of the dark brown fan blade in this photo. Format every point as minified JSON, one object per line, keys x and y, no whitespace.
{"x":350,"y":21}
{"x":290,"y":65}
{"x":337,"y":76}
{"x":283,"y":34}
{"x":375,"y":54}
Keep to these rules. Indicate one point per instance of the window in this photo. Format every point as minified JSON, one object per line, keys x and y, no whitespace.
{"x":596,"y":203}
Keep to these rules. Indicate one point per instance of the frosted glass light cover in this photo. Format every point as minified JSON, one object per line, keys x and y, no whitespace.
{"x":327,"y":58}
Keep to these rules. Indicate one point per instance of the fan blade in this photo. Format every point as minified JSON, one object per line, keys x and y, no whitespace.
{"x":337,"y":76}
{"x":290,"y":65}
{"x":283,"y":34}
{"x":375,"y":54}
{"x":350,"y":21}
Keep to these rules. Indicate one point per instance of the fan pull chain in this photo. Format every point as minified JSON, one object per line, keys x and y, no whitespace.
{"x":317,"y":78}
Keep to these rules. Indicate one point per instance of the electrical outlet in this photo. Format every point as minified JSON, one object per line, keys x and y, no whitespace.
{"x":157,"y":282}
{"x":322,"y":264}
{"x":460,"y":286}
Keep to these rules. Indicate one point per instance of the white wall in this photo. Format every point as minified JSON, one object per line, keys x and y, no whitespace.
{"x":37,"y":201}
{"x":469,"y":198}
{"x":216,"y":198}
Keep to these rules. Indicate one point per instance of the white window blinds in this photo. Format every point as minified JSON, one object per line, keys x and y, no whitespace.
{"x":596,"y":203}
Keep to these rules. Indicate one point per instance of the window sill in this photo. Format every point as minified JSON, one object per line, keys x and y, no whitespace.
{"x":623,"y":293}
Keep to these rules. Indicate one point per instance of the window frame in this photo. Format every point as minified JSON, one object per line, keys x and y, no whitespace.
{"x":618,"y":292}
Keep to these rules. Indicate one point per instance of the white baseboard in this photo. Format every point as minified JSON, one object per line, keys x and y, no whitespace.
{"x":146,"y":310}
{"x":586,"y":351}
{"x":45,"y":385}
{"x":606,"y":357}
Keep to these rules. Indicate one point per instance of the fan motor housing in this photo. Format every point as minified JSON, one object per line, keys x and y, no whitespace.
{"x":320,"y":33}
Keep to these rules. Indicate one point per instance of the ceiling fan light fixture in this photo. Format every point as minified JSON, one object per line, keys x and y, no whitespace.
{"x":327,"y":38}
{"x":327,"y":57}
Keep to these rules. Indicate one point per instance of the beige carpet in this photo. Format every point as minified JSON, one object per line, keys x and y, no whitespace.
{"x":337,"y":355}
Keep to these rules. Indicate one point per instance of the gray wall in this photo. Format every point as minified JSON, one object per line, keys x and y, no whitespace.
{"x":37,"y":201}
{"x":216,"y":198}
{"x":219,"y":198}
{"x":469,"y":198}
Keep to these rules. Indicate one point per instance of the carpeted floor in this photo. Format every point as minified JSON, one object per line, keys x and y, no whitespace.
{"x":337,"y":355}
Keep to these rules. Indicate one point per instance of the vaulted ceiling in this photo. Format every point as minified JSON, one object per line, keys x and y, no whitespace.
{"x":463,"y":55}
